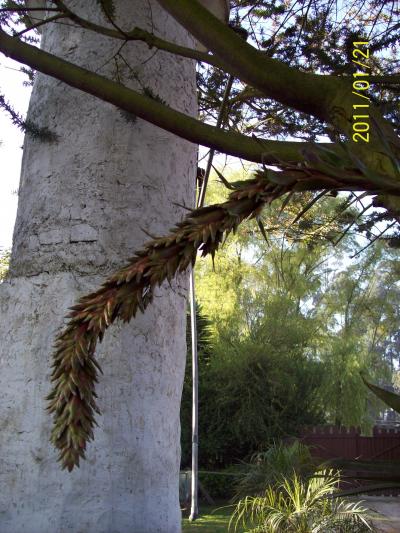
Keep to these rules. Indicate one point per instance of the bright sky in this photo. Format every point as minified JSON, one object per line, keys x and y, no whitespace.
{"x":11,"y":85}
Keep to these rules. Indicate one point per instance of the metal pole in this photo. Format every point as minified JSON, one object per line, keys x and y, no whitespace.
{"x":194,"y":508}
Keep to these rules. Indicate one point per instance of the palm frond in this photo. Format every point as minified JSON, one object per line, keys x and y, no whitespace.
{"x":298,"y":506}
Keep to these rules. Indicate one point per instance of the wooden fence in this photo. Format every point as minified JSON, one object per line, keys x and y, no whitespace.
{"x":330,"y":442}
{"x":358,"y":456}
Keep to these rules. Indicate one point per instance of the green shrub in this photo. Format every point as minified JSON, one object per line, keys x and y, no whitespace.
{"x":220,"y":485}
{"x":268,"y":468}
{"x":296,"y":506}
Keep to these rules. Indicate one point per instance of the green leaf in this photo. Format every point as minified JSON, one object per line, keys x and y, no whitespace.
{"x":262,"y":229}
{"x":280,"y":177}
{"x":391,"y":399}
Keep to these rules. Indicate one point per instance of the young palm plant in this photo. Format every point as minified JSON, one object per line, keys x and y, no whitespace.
{"x":296,"y":506}
{"x":268,"y":468}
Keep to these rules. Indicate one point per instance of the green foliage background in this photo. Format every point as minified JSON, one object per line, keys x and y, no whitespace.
{"x":285,"y":330}
{"x":4,"y":261}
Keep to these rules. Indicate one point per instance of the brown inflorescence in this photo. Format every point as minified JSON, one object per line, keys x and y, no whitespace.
{"x":72,"y":400}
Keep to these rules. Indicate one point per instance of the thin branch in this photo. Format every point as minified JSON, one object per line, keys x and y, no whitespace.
{"x":309,"y":206}
{"x":26,"y":9}
{"x":371,"y":242}
{"x":40,"y":23}
{"x":138,"y":34}
{"x":345,"y":232}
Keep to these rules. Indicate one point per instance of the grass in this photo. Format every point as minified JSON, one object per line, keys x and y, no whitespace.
{"x":211,"y":520}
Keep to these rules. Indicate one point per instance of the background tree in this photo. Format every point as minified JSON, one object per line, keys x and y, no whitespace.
{"x":298,"y":322}
{"x":362,"y":314}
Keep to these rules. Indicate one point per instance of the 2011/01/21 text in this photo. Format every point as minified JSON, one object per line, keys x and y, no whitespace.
{"x":361,"y":84}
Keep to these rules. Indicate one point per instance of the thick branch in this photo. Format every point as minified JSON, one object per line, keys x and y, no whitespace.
{"x":309,"y":93}
{"x":258,"y":151}
{"x":328,"y":98}
{"x":390,"y":79}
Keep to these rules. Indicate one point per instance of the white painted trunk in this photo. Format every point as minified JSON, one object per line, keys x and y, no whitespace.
{"x":82,"y":204}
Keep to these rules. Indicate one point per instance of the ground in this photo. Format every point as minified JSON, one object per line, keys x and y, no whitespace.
{"x":212,"y":520}
{"x":389,"y":508}
{"x":216,"y":519}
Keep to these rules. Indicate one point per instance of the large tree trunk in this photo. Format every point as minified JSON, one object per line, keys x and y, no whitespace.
{"x":82,"y":206}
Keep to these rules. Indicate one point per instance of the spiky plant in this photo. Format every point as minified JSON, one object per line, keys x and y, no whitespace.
{"x":72,"y":400}
{"x":75,"y":370}
{"x":297,"y":506}
{"x":268,"y":468}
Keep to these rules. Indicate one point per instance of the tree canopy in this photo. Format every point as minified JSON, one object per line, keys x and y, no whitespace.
{"x":323,"y":74}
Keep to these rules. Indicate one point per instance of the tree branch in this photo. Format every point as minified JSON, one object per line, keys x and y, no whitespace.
{"x":256,"y":150}
{"x":309,"y":93}
{"x":41,"y":23}
{"x":137,"y":34}
{"x":328,"y":98}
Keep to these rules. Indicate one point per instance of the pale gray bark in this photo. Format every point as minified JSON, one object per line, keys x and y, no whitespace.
{"x":82,"y":204}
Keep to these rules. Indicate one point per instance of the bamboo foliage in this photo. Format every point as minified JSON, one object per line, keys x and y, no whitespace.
{"x":72,"y":400}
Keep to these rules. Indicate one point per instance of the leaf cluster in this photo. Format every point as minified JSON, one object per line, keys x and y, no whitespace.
{"x":298,"y":506}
